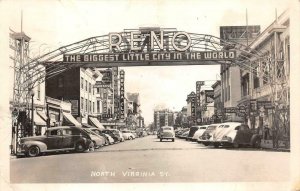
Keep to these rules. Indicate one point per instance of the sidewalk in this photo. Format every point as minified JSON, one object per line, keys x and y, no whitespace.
{"x":268,"y":145}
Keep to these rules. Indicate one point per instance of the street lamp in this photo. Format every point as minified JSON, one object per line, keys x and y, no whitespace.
{"x":32,"y":115}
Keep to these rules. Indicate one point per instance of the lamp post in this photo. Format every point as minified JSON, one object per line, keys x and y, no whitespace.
{"x":32,"y":115}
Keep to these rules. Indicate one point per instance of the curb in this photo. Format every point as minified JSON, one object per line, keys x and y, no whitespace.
{"x":278,"y":150}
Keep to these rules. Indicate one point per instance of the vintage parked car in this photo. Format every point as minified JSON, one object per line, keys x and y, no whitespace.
{"x":118,"y":133}
{"x":108,"y":139}
{"x":98,"y":140}
{"x":60,"y":138}
{"x":192,"y":131}
{"x":115,"y":136}
{"x":128,"y":135}
{"x":135,"y":134}
{"x":207,"y":137}
{"x":199,"y":133}
{"x":181,"y":132}
{"x":238,"y":134}
{"x":167,"y":133}
{"x":184,"y":133}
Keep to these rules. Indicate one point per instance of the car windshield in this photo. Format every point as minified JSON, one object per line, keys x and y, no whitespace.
{"x":167,"y":128}
{"x":202,"y":127}
{"x":212,"y":127}
{"x":226,"y":126}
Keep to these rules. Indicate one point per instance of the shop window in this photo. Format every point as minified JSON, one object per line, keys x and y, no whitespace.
{"x":245,"y":85}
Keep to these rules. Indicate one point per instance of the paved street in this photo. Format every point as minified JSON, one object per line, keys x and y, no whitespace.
{"x":148,"y":160}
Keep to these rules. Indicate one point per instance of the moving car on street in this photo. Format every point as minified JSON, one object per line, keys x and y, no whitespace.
{"x":167,"y":133}
{"x":60,"y":138}
{"x":238,"y":134}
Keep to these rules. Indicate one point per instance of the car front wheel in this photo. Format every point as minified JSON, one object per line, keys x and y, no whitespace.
{"x":256,"y":143}
{"x":79,"y":147}
{"x":33,"y":151}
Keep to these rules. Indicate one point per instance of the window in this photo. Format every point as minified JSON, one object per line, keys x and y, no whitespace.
{"x":39,"y":92}
{"x":86,"y":105}
{"x":86,"y":85}
{"x":67,"y":132}
{"x":90,"y":88}
{"x":104,"y":95}
{"x":55,"y":132}
{"x":98,"y":106}
{"x":93,"y":107}
{"x":82,"y":104}
{"x":81,"y":82}
{"x":90,"y":107}
{"x":98,"y":90}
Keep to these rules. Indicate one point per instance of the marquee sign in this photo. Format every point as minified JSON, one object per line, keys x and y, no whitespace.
{"x":152,"y":56}
{"x":122,"y":94}
{"x":151,"y":45}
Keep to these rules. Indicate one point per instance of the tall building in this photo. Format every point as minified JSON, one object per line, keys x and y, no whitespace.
{"x":230,"y":75}
{"x":207,"y":105}
{"x":218,"y":104}
{"x":163,"y":117}
{"x":76,"y":86}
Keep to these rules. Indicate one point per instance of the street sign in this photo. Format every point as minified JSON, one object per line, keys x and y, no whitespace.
{"x":230,"y":109}
{"x":265,"y":104}
{"x":242,"y":109}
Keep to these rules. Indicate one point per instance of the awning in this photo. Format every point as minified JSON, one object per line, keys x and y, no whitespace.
{"x":96,"y":123}
{"x":44,"y":117}
{"x":71,"y":119}
{"x":38,"y":120}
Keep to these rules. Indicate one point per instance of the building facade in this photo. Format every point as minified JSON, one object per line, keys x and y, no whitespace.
{"x":163,"y":117}
{"x":77,"y":87}
{"x":266,"y":89}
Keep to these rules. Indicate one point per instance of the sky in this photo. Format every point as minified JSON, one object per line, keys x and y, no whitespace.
{"x":52,"y":24}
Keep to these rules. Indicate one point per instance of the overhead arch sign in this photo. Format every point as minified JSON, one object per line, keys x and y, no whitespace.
{"x":152,"y":46}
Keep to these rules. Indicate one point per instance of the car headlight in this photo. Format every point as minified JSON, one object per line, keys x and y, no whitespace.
{"x":225,"y":138}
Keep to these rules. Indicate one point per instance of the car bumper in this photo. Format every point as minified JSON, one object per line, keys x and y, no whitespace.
{"x":167,"y":137}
